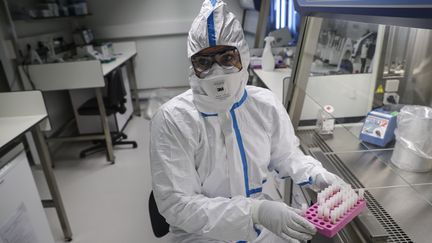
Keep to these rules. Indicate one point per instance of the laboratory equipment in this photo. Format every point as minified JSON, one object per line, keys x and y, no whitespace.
{"x":268,"y":62}
{"x":337,"y":205}
{"x":403,"y":35}
{"x":78,"y":7}
{"x":83,"y":36}
{"x":282,"y":37}
{"x":413,"y":148}
{"x":106,"y":50}
{"x":88,"y":51}
{"x":379,"y":127}
{"x":325,"y":121}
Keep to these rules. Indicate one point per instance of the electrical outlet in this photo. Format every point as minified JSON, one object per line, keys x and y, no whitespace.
{"x":391,"y":98}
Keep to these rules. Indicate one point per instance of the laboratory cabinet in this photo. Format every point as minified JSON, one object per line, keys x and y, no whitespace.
{"x":362,"y":105}
{"x":22,"y":217}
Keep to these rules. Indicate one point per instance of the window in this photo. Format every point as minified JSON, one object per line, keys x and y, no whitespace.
{"x":283,"y":15}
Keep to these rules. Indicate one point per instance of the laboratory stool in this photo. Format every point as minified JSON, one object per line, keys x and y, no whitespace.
{"x":159,"y":225}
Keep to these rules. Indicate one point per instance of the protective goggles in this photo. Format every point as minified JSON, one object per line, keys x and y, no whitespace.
{"x":226,"y":56}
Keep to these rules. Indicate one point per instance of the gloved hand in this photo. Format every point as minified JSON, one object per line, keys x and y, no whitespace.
{"x":282,"y":220}
{"x":323,"y":179}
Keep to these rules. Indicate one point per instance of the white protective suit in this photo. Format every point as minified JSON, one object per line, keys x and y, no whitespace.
{"x":210,"y":159}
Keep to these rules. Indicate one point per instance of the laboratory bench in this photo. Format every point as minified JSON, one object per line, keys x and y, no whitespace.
{"x":23,"y":114}
{"x":399,"y":200}
{"x":84,"y":80}
{"x":273,"y":80}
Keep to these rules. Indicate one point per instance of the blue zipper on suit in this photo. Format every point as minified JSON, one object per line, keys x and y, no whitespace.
{"x":239,"y":139}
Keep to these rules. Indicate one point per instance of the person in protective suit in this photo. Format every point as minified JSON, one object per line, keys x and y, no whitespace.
{"x":213,"y":146}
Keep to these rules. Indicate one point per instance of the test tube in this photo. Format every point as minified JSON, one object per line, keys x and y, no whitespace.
{"x":343,"y":196}
{"x":331,"y":202}
{"x":323,"y":198}
{"x":338,"y":212}
{"x":339,"y":198}
{"x":326,"y":213}
{"x":327,"y":193}
{"x":323,"y":194}
{"x":361,"y":193}
{"x":320,"y":212}
{"x":345,"y":207}
{"x":333,"y":216}
{"x":356,"y":198}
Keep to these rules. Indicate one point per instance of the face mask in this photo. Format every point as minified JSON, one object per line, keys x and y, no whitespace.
{"x":208,"y":94}
{"x":221,"y":86}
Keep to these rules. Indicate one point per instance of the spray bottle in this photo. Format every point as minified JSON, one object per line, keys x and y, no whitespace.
{"x":268,"y":62}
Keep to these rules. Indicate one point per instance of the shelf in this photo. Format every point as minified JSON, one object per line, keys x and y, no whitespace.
{"x":53,"y":18}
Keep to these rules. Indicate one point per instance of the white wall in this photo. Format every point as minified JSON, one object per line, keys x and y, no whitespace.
{"x":160,"y":30}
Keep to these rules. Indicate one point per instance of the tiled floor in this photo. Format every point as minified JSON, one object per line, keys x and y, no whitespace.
{"x":105,"y":203}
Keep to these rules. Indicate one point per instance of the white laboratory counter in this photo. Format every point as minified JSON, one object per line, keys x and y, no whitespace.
{"x":84,"y":80}
{"x":13,"y":127}
{"x":120,"y":59}
{"x":26,"y":114}
{"x":274,"y":79}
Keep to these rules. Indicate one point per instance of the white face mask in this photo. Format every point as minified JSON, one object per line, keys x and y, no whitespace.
{"x":219,"y":91}
{"x":220,"y":85}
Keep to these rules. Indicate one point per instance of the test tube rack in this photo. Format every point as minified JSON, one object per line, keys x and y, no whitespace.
{"x":336,"y":207}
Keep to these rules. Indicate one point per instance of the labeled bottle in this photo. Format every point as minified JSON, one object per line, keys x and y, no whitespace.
{"x":268,"y":61}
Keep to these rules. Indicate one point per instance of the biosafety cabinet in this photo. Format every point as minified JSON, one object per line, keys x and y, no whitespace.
{"x":360,"y":99}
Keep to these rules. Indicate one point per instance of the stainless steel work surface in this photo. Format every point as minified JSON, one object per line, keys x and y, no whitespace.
{"x":425,"y":191}
{"x":409,"y":210}
{"x":400,"y":200}
{"x":371,"y":170}
{"x":343,"y":140}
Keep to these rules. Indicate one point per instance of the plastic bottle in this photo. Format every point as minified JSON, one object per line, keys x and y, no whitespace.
{"x":268,"y":62}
